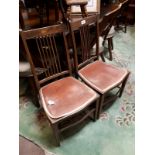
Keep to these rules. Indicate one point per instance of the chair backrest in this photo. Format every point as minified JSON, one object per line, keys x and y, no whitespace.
{"x":124,"y":3}
{"x":47,"y":53}
{"x":106,"y":22}
{"x":84,"y":33}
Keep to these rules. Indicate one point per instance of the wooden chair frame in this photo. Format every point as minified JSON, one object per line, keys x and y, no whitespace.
{"x":82,"y":25}
{"x":63,"y":123}
{"x":105,"y":24}
{"x":124,"y":8}
{"x":66,"y":8}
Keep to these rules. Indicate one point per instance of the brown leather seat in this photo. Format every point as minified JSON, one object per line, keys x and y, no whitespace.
{"x":101,"y":76}
{"x":65,"y":97}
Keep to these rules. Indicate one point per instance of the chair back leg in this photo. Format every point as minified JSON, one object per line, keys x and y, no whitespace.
{"x":110,"y":47}
{"x":123,"y":85}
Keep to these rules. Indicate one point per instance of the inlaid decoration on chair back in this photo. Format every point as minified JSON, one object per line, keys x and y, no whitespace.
{"x":85,"y":33}
{"x":106,"y":22}
{"x":47,"y":52}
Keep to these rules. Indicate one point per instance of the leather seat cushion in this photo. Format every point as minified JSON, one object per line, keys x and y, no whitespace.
{"x":65,"y":97}
{"x":101,"y":76}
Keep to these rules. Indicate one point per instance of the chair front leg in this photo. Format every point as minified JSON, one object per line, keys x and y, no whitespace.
{"x":110,"y":49}
{"x":101,"y":100}
{"x":96,"y":110}
{"x":112,"y":44}
{"x":102,"y":57}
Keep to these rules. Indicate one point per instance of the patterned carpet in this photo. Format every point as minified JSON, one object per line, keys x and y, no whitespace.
{"x":112,"y":134}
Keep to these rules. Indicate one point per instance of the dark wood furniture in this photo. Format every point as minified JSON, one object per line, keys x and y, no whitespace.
{"x":81,"y":3}
{"x":39,"y":13}
{"x":106,"y":29}
{"x":121,"y":22}
{"x":43,"y":13}
{"x":131,"y":12}
{"x":65,"y":100}
{"x":101,"y":77}
{"x":105,"y":11}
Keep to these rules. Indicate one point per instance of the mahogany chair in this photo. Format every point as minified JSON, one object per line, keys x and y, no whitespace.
{"x":106,"y":28}
{"x":100,"y":76}
{"x":122,"y":16}
{"x":65,"y":100}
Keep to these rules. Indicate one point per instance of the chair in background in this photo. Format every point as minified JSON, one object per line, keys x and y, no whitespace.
{"x":107,"y":30}
{"x":65,"y":100}
{"x":121,"y":22}
{"x":100,"y":76}
{"x":67,"y":4}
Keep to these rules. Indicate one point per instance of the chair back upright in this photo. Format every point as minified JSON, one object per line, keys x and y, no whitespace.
{"x":125,"y":4}
{"x":106,"y":22}
{"x":47,"y":50}
{"x":84,"y":33}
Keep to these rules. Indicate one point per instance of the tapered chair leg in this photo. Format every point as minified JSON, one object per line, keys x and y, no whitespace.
{"x":110,"y":49}
{"x":84,"y":10}
{"x":100,"y":105}
{"x":56,"y":133}
{"x":34,"y":92}
{"x":123,"y":85}
{"x":102,"y":57}
{"x":112,"y":45}
{"x":96,"y":110}
{"x":125,"y":28}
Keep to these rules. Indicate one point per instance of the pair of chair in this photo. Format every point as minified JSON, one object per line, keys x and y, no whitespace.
{"x":66,"y":100}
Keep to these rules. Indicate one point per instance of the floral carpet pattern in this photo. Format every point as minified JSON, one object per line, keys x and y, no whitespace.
{"x":112,"y":134}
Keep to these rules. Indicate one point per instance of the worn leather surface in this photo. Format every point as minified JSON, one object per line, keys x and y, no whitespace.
{"x":102,"y":76}
{"x":65,"y":97}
